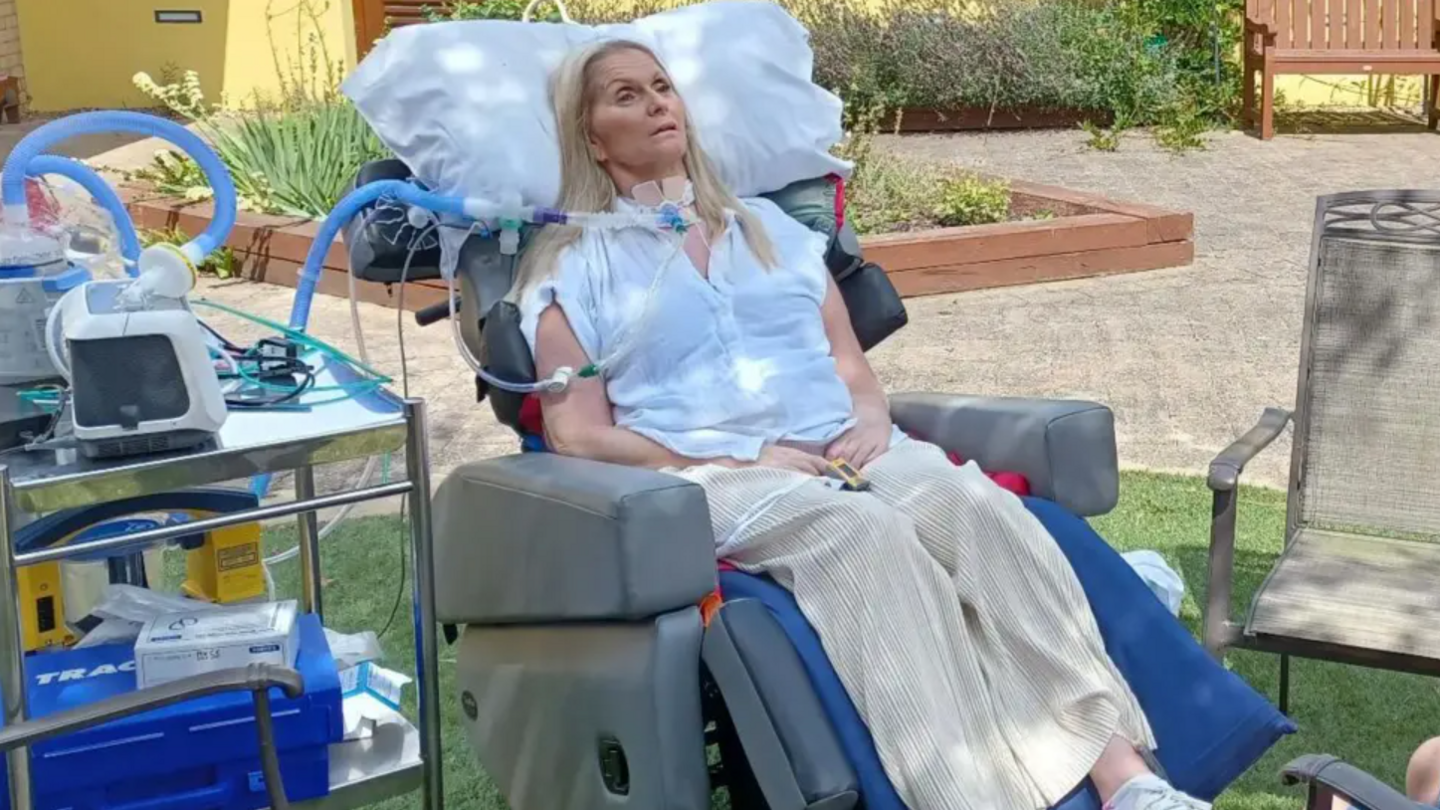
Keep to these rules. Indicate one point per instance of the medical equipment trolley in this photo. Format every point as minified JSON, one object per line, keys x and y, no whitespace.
{"x":398,"y":758}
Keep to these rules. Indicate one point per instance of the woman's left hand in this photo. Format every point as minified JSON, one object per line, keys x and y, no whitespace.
{"x":866,"y":441}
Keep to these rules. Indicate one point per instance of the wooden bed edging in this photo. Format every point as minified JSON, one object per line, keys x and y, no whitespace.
{"x":917,"y":120}
{"x":1089,"y":235}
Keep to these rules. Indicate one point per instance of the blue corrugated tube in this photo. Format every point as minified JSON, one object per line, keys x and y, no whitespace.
{"x":103,"y":193}
{"x":17,"y":165}
{"x":343,"y":213}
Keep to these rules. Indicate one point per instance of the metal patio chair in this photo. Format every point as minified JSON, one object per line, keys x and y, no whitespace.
{"x":1359,"y":579}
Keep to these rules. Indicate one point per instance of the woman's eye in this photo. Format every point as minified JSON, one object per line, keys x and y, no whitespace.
{"x":625,"y":96}
{"x":662,"y":87}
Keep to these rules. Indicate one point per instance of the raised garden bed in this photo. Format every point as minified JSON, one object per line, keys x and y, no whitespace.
{"x":918,"y":120}
{"x":1082,"y":235}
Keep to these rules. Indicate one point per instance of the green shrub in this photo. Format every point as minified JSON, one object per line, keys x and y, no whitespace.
{"x":887,"y":193}
{"x":489,"y":10}
{"x":173,"y":174}
{"x":220,"y":263}
{"x":970,"y":200}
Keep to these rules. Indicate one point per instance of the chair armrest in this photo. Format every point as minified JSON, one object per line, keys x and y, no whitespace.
{"x":1219,"y":631}
{"x":1226,"y":468}
{"x":1264,"y":29}
{"x":1065,"y":448}
{"x":1327,"y":775}
{"x":541,"y":538}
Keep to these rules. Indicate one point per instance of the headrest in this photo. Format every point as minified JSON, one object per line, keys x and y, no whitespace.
{"x":466,"y":104}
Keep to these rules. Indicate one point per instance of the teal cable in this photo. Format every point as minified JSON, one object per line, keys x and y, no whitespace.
{"x":295,"y":335}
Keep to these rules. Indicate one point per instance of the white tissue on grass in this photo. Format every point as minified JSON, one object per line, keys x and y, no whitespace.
{"x":1162,"y":580}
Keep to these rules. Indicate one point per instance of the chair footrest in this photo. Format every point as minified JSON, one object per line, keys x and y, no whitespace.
{"x":1367,"y":593}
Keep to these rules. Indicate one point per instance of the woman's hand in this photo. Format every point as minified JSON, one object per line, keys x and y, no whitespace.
{"x":788,"y":458}
{"x":866,"y":441}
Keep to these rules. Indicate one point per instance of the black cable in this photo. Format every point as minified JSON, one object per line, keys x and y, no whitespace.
{"x":400,"y":591}
{"x":405,"y":391}
{"x":400,"y":308}
{"x":224,"y":341}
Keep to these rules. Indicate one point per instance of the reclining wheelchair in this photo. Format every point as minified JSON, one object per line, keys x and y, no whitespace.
{"x":589,"y":676}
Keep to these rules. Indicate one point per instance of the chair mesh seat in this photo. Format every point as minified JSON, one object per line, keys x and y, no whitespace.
{"x":1368,"y":593}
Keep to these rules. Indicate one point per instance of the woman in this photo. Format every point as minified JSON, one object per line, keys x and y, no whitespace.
{"x":954,"y":622}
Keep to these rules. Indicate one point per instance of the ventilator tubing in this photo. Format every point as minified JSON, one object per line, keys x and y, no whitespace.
{"x":32,"y":146}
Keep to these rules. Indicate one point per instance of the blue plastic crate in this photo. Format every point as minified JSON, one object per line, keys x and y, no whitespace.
{"x":199,"y":755}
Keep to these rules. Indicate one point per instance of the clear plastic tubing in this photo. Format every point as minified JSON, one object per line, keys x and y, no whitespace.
{"x":465,"y":207}
{"x":32,"y":146}
{"x":103,"y":193}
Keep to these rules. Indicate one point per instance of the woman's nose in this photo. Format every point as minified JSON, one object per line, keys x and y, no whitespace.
{"x":659,"y":105}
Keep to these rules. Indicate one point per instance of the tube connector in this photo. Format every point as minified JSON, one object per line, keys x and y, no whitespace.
{"x":509,"y":237}
{"x":557,"y":381}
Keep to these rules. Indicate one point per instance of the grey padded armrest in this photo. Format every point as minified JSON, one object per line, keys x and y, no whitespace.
{"x":1065,"y":448}
{"x":543,"y":538}
{"x":1324,"y":773}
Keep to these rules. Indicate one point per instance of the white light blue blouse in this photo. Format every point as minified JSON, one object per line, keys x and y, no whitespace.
{"x":726,"y":364}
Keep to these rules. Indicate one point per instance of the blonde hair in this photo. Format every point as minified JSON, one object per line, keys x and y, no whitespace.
{"x":585,"y":186}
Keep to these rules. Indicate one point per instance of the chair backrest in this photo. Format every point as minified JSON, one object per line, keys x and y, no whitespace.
{"x":1367,"y":423}
{"x":1347,"y":25}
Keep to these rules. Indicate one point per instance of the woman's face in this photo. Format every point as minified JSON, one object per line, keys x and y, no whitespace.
{"x":637,"y":121}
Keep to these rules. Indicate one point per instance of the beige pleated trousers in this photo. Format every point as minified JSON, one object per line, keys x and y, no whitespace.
{"x":951,"y":617}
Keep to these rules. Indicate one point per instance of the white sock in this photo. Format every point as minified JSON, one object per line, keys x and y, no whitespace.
{"x":1147,"y":787}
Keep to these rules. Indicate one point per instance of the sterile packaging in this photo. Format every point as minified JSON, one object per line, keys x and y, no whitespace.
{"x":370,"y":698}
{"x":181,"y":645}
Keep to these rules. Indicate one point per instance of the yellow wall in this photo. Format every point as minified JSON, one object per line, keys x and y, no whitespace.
{"x":83,"y":53}
{"x":1349,"y":91}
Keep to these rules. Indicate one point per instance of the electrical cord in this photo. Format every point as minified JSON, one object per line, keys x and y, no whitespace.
{"x":405,"y":390}
{"x":400,"y":589}
{"x":400,"y":308}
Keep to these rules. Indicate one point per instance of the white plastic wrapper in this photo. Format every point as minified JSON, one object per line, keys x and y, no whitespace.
{"x":126,"y":608}
{"x":353,"y":649}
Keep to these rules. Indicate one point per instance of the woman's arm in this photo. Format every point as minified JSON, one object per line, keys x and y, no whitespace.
{"x":850,"y":359}
{"x":871,"y":435}
{"x":578,"y":420}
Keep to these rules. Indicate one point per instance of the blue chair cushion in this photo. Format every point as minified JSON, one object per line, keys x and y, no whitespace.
{"x":1210,"y":725}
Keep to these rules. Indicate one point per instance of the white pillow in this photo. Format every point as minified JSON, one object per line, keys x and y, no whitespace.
{"x":466,"y":104}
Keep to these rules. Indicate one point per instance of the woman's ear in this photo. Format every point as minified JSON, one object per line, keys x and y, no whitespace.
{"x":597,"y":150}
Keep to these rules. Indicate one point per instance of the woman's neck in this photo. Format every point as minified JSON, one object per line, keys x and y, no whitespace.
{"x":626,"y":180}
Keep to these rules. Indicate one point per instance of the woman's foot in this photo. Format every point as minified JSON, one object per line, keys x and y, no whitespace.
{"x":1150,"y":792}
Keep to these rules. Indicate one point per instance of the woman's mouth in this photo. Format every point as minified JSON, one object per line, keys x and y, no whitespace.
{"x":664,"y":128}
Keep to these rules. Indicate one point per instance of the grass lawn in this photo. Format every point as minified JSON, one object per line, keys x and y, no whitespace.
{"x":1373,"y":719}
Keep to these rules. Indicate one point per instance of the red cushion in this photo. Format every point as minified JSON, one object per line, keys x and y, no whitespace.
{"x":531,"y":419}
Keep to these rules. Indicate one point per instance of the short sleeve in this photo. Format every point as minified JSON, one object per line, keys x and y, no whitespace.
{"x":569,"y":286}
{"x":798,"y":249}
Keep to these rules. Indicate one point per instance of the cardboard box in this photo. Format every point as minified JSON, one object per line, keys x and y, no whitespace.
{"x":180,"y":645}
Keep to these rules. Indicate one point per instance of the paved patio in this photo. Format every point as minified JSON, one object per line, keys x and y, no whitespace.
{"x":1187,"y":357}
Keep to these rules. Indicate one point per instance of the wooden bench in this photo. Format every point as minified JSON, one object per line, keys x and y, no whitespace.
{"x":1396,"y":37}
